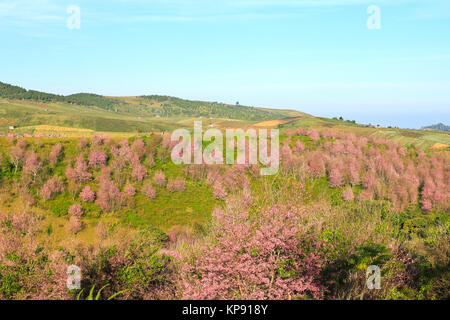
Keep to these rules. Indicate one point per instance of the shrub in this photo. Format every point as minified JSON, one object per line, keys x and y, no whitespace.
{"x":17,"y":155}
{"x":129,"y":190}
{"x":219,"y":191}
{"x":139,"y":171}
{"x":75,"y":210}
{"x":109,"y":196}
{"x":336,"y":178}
{"x":138,"y":148}
{"x":32,"y":164}
{"x":75,"y":225}
{"x":299,"y":147}
{"x":79,"y":173}
{"x":149,"y":191}
{"x":347,"y":195}
{"x":270,"y":255}
{"x":53,"y":186}
{"x":97,"y":159}
{"x":82,"y":144}
{"x":55,"y":154}
{"x":87,"y":195}
{"x":160,"y":179}
{"x":177,"y":184}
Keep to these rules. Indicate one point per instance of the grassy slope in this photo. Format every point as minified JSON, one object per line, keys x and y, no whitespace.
{"x":23,"y":107}
{"x":419,"y":138}
{"x":137,"y":117}
{"x":42,"y":112}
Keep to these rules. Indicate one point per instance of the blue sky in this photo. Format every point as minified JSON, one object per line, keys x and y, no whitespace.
{"x":317,"y":56}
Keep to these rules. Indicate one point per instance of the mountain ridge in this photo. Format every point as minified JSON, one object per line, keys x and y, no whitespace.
{"x":151,"y":105}
{"x":438,"y":127}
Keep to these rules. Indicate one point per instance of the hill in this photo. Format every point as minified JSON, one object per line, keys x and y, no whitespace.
{"x":148,"y":106}
{"x":437,"y":127}
{"x":32,"y":111}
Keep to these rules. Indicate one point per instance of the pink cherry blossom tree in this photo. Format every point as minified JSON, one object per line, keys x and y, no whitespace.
{"x":87,"y":195}
{"x":149,"y":191}
{"x":55,"y":154}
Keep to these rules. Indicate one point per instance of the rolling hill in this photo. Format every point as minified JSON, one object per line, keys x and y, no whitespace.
{"x":437,"y":127}
{"x":32,"y":111}
{"x":146,"y":106}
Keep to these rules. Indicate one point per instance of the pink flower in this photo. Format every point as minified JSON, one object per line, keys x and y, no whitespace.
{"x":32,"y":164}
{"x":53,"y":186}
{"x":87,"y":195}
{"x":55,"y":154}
{"x":149,"y":191}
{"x":129,"y":190}
{"x":97,"y":159}
{"x":79,"y":173}
{"x":139,"y":172}
{"x":75,"y":225}
{"x":219,"y":191}
{"x":177,"y":184}
{"x":347,"y":195}
{"x":160,"y":179}
{"x":76,"y":210}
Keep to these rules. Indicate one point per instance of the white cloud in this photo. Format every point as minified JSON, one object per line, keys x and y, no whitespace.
{"x":27,"y":13}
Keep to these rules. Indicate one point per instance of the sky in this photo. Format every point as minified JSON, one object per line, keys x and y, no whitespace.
{"x":379,"y":62}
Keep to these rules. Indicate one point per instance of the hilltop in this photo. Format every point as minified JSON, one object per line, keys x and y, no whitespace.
{"x":148,"y":105}
{"x":31,"y":111}
{"x":437,"y":127}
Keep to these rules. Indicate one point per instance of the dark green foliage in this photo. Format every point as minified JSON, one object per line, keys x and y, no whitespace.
{"x":438,"y":127}
{"x":179,"y":107}
{"x":88,"y":99}
{"x":171,"y":107}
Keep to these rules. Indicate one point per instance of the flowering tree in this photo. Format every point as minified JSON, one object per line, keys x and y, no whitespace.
{"x":75,"y":225}
{"x":79,"y":173}
{"x":32,"y":165}
{"x":270,"y":255}
{"x":87,"y":195}
{"x":313,"y":134}
{"x":82,"y":144}
{"x":177,"y":184}
{"x":335,"y":177}
{"x":139,"y":172}
{"x":316,"y":165}
{"x":109,"y":196}
{"x":299,"y":147}
{"x":149,"y":191}
{"x":75,"y":210}
{"x":219,"y":191}
{"x":125,"y":151}
{"x":347,"y":194}
{"x":160,"y":179}
{"x":16,"y":155}
{"x":55,"y":154}
{"x":52,"y":187}
{"x":138,"y":148}
{"x":97,"y":159}
{"x":129,"y":190}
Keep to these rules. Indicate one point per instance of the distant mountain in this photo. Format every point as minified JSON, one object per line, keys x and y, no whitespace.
{"x":438,"y":127}
{"x":150,"y":106}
